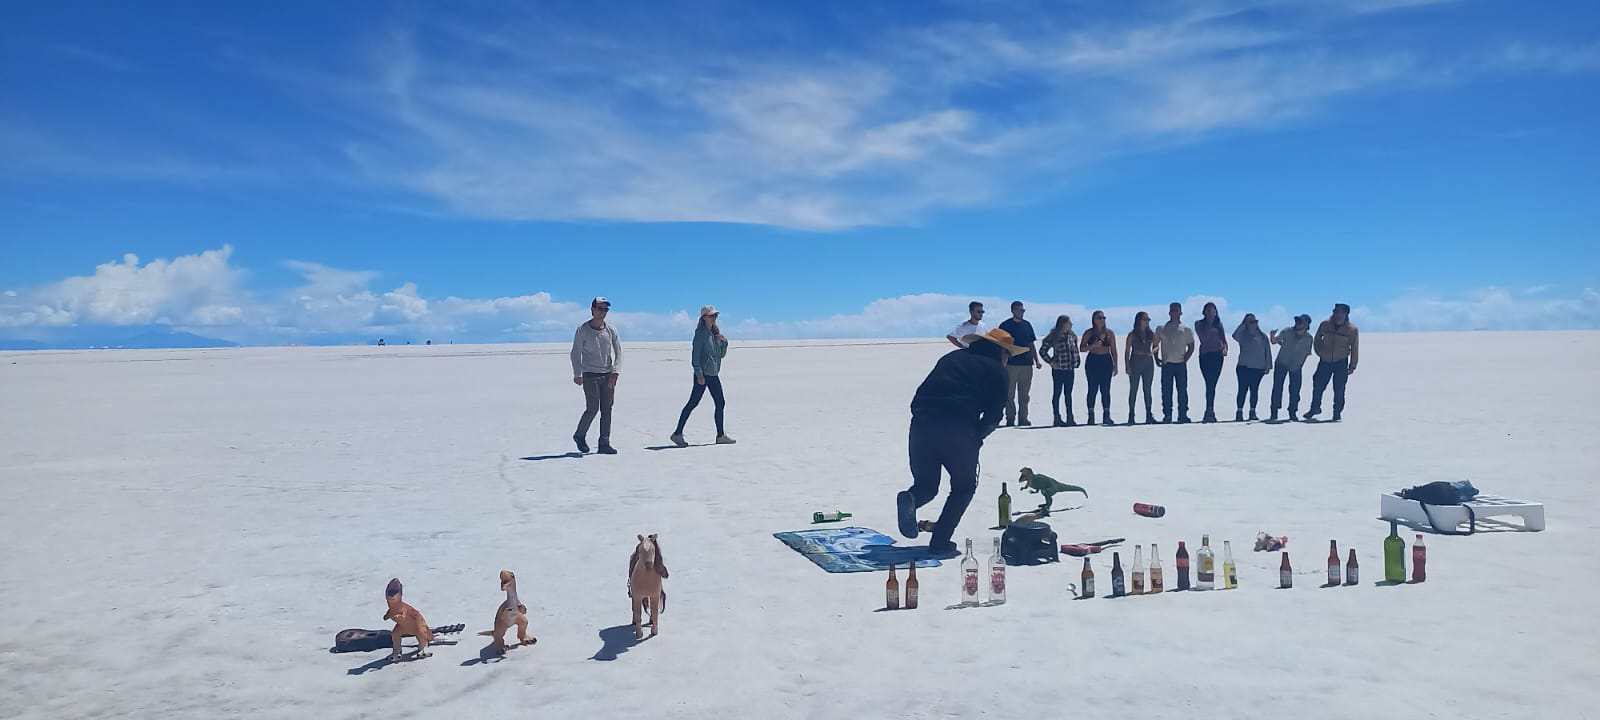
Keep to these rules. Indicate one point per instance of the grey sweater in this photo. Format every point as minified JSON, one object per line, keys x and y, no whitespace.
{"x":708,"y":352}
{"x":1254,"y":350}
{"x":1296,"y":347}
{"x":596,"y":351}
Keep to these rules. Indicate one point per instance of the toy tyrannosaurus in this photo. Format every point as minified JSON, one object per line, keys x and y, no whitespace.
{"x":407,"y":621}
{"x":1047,"y":486}
{"x":511,"y":612}
{"x":645,"y":573}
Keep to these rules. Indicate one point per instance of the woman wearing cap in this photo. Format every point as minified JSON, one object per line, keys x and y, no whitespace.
{"x":1213,"y":348}
{"x":1255,"y":359}
{"x":1060,"y":349}
{"x":1141,"y":363}
{"x":1100,"y":344}
{"x":709,"y":349}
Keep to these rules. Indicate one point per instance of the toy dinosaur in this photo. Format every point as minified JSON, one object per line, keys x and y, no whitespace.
{"x":511,"y":612}
{"x":407,"y":621}
{"x":645,"y":573}
{"x":1047,"y":486}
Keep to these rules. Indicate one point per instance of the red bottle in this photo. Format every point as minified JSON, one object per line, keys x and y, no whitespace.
{"x":1149,"y":510}
{"x":1419,"y":561}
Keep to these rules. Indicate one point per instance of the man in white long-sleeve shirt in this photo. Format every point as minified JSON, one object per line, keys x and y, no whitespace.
{"x":596,"y":361}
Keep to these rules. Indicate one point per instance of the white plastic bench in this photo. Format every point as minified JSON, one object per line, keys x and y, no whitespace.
{"x":1398,"y":508}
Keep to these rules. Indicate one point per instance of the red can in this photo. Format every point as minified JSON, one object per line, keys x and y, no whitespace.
{"x":1148,"y":510}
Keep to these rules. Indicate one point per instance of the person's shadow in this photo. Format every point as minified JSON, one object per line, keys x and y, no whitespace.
{"x":616,"y":641}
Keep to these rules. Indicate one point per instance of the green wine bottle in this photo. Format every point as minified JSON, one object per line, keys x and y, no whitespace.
{"x":1394,"y":555}
{"x":822,"y":517}
{"x":1005,"y":506}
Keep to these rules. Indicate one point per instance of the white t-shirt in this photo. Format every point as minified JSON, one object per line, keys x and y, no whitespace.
{"x":1173,"y":341}
{"x":967,"y":328}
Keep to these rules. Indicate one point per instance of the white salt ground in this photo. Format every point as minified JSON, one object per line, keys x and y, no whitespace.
{"x":184,"y":531}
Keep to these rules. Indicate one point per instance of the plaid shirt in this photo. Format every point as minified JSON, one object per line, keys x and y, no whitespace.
{"x":1062,"y":353}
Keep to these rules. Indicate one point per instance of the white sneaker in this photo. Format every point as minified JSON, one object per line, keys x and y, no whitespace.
{"x":677,"y":439}
{"x":725,"y":440}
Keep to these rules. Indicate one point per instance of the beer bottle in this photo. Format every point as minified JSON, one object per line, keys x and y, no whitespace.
{"x":1394,"y":558}
{"x":1285,"y":573}
{"x":1183,"y":566}
{"x":1088,"y":580}
{"x":1005,"y":506}
{"x":911,"y":586}
{"x":1333,"y":562}
{"x":1205,"y":576}
{"x":1155,"y":569}
{"x":1419,"y":561}
{"x":891,"y":590}
{"x":1116,"y":575}
{"x":1351,"y":569}
{"x":1138,"y":570}
{"x":969,"y":577}
{"x":1230,"y":574}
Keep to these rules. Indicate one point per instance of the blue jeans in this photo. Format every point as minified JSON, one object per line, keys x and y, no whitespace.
{"x":1339,"y":372}
{"x":1278,"y":374}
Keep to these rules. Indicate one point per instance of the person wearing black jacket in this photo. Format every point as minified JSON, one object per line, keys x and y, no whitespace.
{"x":960,"y":402}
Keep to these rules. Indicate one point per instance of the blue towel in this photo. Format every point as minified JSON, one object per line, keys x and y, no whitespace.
{"x":853,"y":549}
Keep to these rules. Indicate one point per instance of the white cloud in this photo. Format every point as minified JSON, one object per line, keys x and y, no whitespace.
{"x":202,"y":293}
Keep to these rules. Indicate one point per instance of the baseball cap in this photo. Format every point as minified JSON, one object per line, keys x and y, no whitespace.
{"x":708,"y":310}
{"x":601,"y":300}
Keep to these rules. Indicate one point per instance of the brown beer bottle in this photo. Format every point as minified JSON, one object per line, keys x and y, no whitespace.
{"x":891,"y":590}
{"x":1333,"y":562}
{"x":1088,"y":580}
{"x":1285,"y":573}
{"x":1351,"y":569}
{"x":911,"y":586}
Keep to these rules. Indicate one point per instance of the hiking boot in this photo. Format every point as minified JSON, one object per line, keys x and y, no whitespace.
{"x":1059,"y":422}
{"x":1210,"y":417}
{"x":1336,"y":415}
{"x":1091,"y":417}
{"x":1148,"y":418}
{"x":1107,"y":421}
{"x":1166,"y":419}
{"x":605,"y":447}
{"x":1130,"y":417}
{"x":1024,"y":423}
{"x":1312,"y":413}
{"x":1184,"y":420}
{"x":677,"y":439}
{"x":1070,"y":421}
{"x":1238,"y":416}
{"x":1253,"y":417}
{"x":583,"y":446}
{"x":1274,"y":417}
{"x":906,"y":513}
{"x":725,"y":440}
{"x":943,"y":550}
{"x":1293,"y":417}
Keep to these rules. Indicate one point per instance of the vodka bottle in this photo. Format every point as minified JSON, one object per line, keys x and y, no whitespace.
{"x":969,"y":577}
{"x":1205,"y":576}
{"x":997,"y":576}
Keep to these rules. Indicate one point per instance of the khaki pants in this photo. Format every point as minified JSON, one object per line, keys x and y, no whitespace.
{"x":1019,"y":380}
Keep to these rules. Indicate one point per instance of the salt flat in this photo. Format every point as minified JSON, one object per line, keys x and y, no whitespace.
{"x":184,"y":531}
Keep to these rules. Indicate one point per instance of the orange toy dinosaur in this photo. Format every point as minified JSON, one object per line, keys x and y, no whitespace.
{"x":407,"y":621}
{"x":645,"y":573}
{"x":511,"y":612}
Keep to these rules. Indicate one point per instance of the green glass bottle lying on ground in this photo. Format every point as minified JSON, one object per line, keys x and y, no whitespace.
{"x":1394,"y":555}
{"x":822,"y":517}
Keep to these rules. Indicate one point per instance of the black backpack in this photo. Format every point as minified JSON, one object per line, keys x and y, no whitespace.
{"x":1029,"y":542}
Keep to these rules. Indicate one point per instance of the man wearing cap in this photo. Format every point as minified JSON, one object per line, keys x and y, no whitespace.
{"x":973,"y":325}
{"x":1294,"y":347}
{"x":1338,"y":347}
{"x":954,"y":409}
{"x":1174,"y":347}
{"x":596,"y":360}
{"x":1019,"y":369}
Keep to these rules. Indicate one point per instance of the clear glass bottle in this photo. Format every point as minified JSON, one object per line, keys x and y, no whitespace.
{"x":1155,"y":569}
{"x":1230,"y":573}
{"x":969,"y":577}
{"x":997,"y":576}
{"x":1205,"y":577}
{"x":1138,"y":570}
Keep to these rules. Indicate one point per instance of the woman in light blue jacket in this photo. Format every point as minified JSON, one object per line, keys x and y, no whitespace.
{"x":1255,"y":359}
{"x":709,"y":349}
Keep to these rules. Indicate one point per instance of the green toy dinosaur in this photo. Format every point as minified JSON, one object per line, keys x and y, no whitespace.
{"x":1047,"y":486}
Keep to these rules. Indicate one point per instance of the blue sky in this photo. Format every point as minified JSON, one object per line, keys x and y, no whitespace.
{"x":316,"y":172}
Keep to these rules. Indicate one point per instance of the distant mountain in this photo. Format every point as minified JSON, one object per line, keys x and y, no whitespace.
{"x":172,"y":339}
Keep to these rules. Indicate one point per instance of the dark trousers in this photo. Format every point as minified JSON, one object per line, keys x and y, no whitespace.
{"x":714,"y":384}
{"x":1211,"y":370}
{"x":1339,"y":372}
{"x":1293,"y":374}
{"x":1141,"y":370}
{"x":1174,"y":373}
{"x":597,"y":397}
{"x":1061,"y":397}
{"x":1249,"y":384}
{"x":950,"y":444}
{"x":1097,"y":370}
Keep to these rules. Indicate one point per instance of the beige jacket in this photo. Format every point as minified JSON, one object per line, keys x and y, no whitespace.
{"x":1337,"y":342}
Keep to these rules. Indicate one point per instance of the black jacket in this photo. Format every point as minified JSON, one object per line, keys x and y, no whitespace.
{"x":967,"y":384}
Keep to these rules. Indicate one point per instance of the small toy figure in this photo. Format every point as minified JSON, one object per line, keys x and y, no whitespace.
{"x":1265,"y":542}
{"x":511,"y":612}
{"x":645,"y":573}
{"x":407,"y":621}
{"x":1047,"y":486}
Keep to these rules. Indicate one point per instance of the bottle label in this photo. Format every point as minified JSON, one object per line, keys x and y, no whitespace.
{"x":1116,"y":586}
{"x":997,"y":581}
{"x":1138,"y":583}
{"x":911,"y":597}
{"x":1233,"y":577}
{"x":1350,"y":577}
{"x":970,"y":586}
{"x":1285,"y":578}
{"x":1088,"y":587}
{"x":892,"y":597}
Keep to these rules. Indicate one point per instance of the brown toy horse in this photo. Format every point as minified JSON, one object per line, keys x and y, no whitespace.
{"x":645,"y":573}
{"x":407,"y":621}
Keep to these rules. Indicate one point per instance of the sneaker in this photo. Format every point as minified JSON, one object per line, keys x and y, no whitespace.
{"x":1149,"y":419}
{"x":1253,"y":416}
{"x":1059,"y":423}
{"x":1210,"y":417}
{"x":1238,"y":416}
{"x":906,"y":513}
{"x":1107,"y":420}
{"x":1071,"y":422}
{"x":1293,"y":417}
{"x":1274,"y":417}
{"x":1166,"y":419}
{"x":1091,"y":417}
{"x":1024,"y":423}
{"x":1184,"y":420}
{"x":1312,"y":413}
{"x":1130,"y":418}
{"x":677,"y":439}
{"x":583,"y":446}
{"x":725,"y":440}
{"x":606,"y":449}
{"x":943,"y":550}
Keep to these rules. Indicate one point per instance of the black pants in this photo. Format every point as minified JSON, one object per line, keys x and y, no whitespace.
{"x":1062,"y":395}
{"x":714,"y":384}
{"x":597,"y":397}
{"x":1211,"y":370}
{"x":952,"y":445}
{"x":1249,"y":384}
{"x":1097,"y":370}
{"x":1141,"y":370}
{"x":1278,"y":373}
{"x":1174,"y":373}
{"x":1339,"y":372}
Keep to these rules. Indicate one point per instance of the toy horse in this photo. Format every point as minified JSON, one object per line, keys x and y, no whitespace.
{"x":407,"y":621}
{"x":645,"y":573}
{"x":511,"y":612}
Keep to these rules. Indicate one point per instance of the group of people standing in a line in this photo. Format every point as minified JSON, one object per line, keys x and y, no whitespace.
{"x":597,"y":363}
{"x":1169,"y":347}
